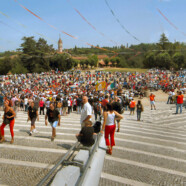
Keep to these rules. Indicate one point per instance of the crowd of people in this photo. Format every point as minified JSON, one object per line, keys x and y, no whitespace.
{"x":56,"y":94}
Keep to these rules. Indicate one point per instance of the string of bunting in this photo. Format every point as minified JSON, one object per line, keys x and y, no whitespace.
{"x":24,"y":26}
{"x":173,"y":25}
{"x":70,"y":35}
{"x":122,"y":26}
{"x":5,"y":24}
{"x":93,"y":27}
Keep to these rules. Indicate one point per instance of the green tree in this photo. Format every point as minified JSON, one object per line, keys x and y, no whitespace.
{"x":106,"y":60}
{"x":93,"y":60}
{"x":5,"y":65}
{"x":150,"y":60}
{"x":163,"y":60}
{"x":28,"y":46}
{"x":164,"y":43}
{"x":178,"y":59}
{"x":17,"y":66}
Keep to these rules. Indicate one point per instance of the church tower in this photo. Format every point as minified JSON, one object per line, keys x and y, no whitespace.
{"x":60,"y":45}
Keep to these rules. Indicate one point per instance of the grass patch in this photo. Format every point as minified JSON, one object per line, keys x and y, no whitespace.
{"x":124,"y":70}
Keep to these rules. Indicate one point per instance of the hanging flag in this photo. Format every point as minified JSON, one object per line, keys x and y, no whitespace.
{"x":101,"y":86}
{"x":111,"y":86}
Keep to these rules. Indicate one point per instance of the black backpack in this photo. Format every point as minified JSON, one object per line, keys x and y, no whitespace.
{"x":97,"y":126}
{"x":65,"y":103}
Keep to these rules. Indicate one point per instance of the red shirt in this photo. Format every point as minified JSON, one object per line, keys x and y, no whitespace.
{"x":41,"y":103}
{"x":104,"y":102}
{"x":180,"y":99}
{"x":152,"y":97}
{"x":132,"y":104}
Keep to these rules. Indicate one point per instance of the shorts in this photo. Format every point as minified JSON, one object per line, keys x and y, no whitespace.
{"x":152,"y":102}
{"x":54,"y":124}
{"x":132,"y":109}
{"x":117,"y":118}
{"x":33,"y":120}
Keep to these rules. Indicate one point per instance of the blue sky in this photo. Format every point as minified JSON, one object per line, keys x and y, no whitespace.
{"x":140,"y":17}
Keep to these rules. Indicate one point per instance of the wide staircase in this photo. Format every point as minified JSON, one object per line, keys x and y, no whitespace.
{"x":149,"y":152}
{"x":30,"y":158}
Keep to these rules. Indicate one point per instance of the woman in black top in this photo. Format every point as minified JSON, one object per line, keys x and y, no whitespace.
{"x":32,"y":115}
{"x":8,"y":118}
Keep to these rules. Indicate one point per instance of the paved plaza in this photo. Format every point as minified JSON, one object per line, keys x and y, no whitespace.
{"x":149,"y":152}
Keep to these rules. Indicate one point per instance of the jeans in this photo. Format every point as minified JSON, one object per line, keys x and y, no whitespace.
{"x":26,"y":108}
{"x":138,"y":115}
{"x":177,"y":108}
{"x":97,"y":113}
{"x":78,"y":109}
{"x":169,"y":98}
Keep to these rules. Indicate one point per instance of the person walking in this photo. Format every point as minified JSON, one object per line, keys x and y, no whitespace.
{"x":97,"y":109}
{"x":105,"y":101}
{"x":132,"y":105}
{"x":109,"y":126}
{"x":139,"y":109}
{"x":53,"y":117}
{"x":79,"y":102}
{"x":32,"y":116}
{"x":42,"y":106}
{"x":152,"y":101}
{"x":26,"y":103}
{"x":179,"y":102}
{"x":65,"y":106}
{"x":118,"y":108}
{"x":8,"y":119}
{"x":86,"y":112}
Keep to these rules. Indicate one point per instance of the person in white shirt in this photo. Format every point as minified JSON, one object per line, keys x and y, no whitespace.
{"x":86,"y":112}
{"x":169,"y":97}
{"x":26,"y":103}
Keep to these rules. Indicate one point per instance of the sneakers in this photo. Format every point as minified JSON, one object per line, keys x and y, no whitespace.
{"x":35,"y":131}
{"x":30,"y":134}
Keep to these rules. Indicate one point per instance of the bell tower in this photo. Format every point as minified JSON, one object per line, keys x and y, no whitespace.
{"x":60,"y":45}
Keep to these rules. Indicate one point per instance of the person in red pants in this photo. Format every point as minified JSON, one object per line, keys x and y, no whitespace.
{"x":8,"y":119}
{"x":110,"y":126}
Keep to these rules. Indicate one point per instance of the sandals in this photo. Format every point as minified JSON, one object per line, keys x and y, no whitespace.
{"x":109,"y":151}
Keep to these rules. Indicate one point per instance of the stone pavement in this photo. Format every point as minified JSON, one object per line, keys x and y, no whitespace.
{"x":30,"y":158}
{"x":149,"y":152}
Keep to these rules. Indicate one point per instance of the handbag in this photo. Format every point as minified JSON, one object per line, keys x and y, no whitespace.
{"x":6,"y":121}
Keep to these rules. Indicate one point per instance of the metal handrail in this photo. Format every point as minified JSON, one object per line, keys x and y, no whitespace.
{"x":56,"y":166}
{"x":81,"y":179}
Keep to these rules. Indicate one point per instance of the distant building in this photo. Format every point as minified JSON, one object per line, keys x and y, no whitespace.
{"x":100,"y":59}
{"x":60,"y":46}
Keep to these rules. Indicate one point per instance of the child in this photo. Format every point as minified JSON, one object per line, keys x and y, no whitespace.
{"x":85,"y":136}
